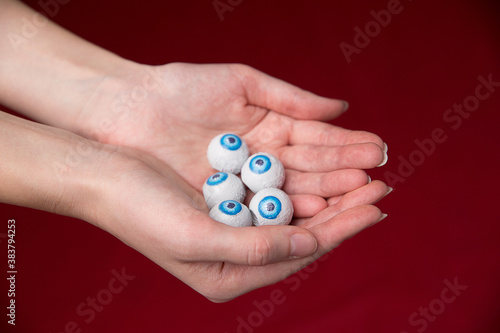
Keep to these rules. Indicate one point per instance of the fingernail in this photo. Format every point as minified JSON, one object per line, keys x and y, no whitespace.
{"x":369,"y":179}
{"x":386,"y":148}
{"x":346,"y":106}
{"x":386,"y":158}
{"x":302,"y":245}
{"x":390,"y":189}
{"x":381,"y":218}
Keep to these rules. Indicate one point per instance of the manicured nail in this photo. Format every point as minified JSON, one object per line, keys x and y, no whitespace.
{"x":346,"y":106}
{"x":302,"y":245}
{"x":390,"y":189}
{"x":369,"y":179}
{"x":386,"y":148}
{"x":386,"y":158}
{"x":381,"y":218}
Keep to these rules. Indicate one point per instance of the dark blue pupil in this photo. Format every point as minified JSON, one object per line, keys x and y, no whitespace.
{"x":231,"y":205}
{"x":270,"y":207}
{"x":231,"y":140}
{"x":259,"y":162}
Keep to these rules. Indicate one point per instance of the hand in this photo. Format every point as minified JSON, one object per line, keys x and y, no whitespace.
{"x":175,"y":123}
{"x":173,"y":111}
{"x":150,"y":208}
{"x":146,"y":189}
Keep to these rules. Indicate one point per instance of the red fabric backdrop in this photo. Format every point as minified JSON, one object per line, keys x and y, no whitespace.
{"x":431,"y":266}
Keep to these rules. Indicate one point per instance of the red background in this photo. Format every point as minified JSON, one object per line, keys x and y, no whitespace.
{"x":443,"y":219}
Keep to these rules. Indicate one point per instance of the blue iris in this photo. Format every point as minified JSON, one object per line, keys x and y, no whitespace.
{"x":260,"y":164}
{"x":270,"y":207}
{"x":230,"y":142}
{"x":217,"y":178}
{"x":230,"y":207}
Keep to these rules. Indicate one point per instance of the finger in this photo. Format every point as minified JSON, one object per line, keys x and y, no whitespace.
{"x":271,"y":93}
{"x":334,"y":200}
{"x":345,"y":225}
{"x":366,"y":195}
{"x":323,"y":134}
{"x":325,"y":159}
{"x":330,"y":234}
{"x":324,"y":184}
{"x":306,"y":205}
{"x":300,"y":221}
{"x":250,"y":246}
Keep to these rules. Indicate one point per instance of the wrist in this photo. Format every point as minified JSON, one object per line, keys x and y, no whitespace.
{"x":106,"y":99}
{"x":98,"y":96}
{"x":51,"y":77}
{"x":48,"y":169}
{"x":120,"y":101}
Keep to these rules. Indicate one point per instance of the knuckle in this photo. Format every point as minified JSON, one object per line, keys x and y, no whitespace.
{"x":241,"y":70}
{"x":323,"y":159}
{"x":324,"y":184}
{"x":261,"y":253}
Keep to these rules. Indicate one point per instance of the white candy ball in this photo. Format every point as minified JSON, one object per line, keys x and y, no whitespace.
{"x":227,"y":153}
{"x":223,"y":186}
{"x":262,"y":170}
{"x":271,"y":206}
{"x":232,"y":213}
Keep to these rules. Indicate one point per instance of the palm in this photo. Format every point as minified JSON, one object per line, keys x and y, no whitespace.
{"x":176,"y":123}
{"x":163,"y":221}
{"x":182,"y":118}
{"x":196,"y":102}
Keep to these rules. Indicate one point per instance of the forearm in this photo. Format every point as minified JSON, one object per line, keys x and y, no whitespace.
{"x":46,"y":168}
{"x":50,"y":76}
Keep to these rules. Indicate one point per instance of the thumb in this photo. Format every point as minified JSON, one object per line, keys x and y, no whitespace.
{"x":270,"y":93}
{"x":256,"y":246}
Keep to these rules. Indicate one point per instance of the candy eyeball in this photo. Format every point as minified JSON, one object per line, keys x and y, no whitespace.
{"x":227,"y":153}
{"x":232,"y":213}
{"x":223,"y":186}
{"x":271,"y":206}
{"x":262,"y":170}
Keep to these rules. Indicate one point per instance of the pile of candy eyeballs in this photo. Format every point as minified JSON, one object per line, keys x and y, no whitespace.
{"x":262,"y":173}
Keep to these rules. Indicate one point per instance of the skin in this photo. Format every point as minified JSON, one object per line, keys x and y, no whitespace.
{"x":124,"y":148}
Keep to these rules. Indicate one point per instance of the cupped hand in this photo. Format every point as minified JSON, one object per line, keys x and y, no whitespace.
{"x":158,"y":120}
{"x":168,"y":115}
{"x":152,"y":209}
{"x":173,"y":111}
